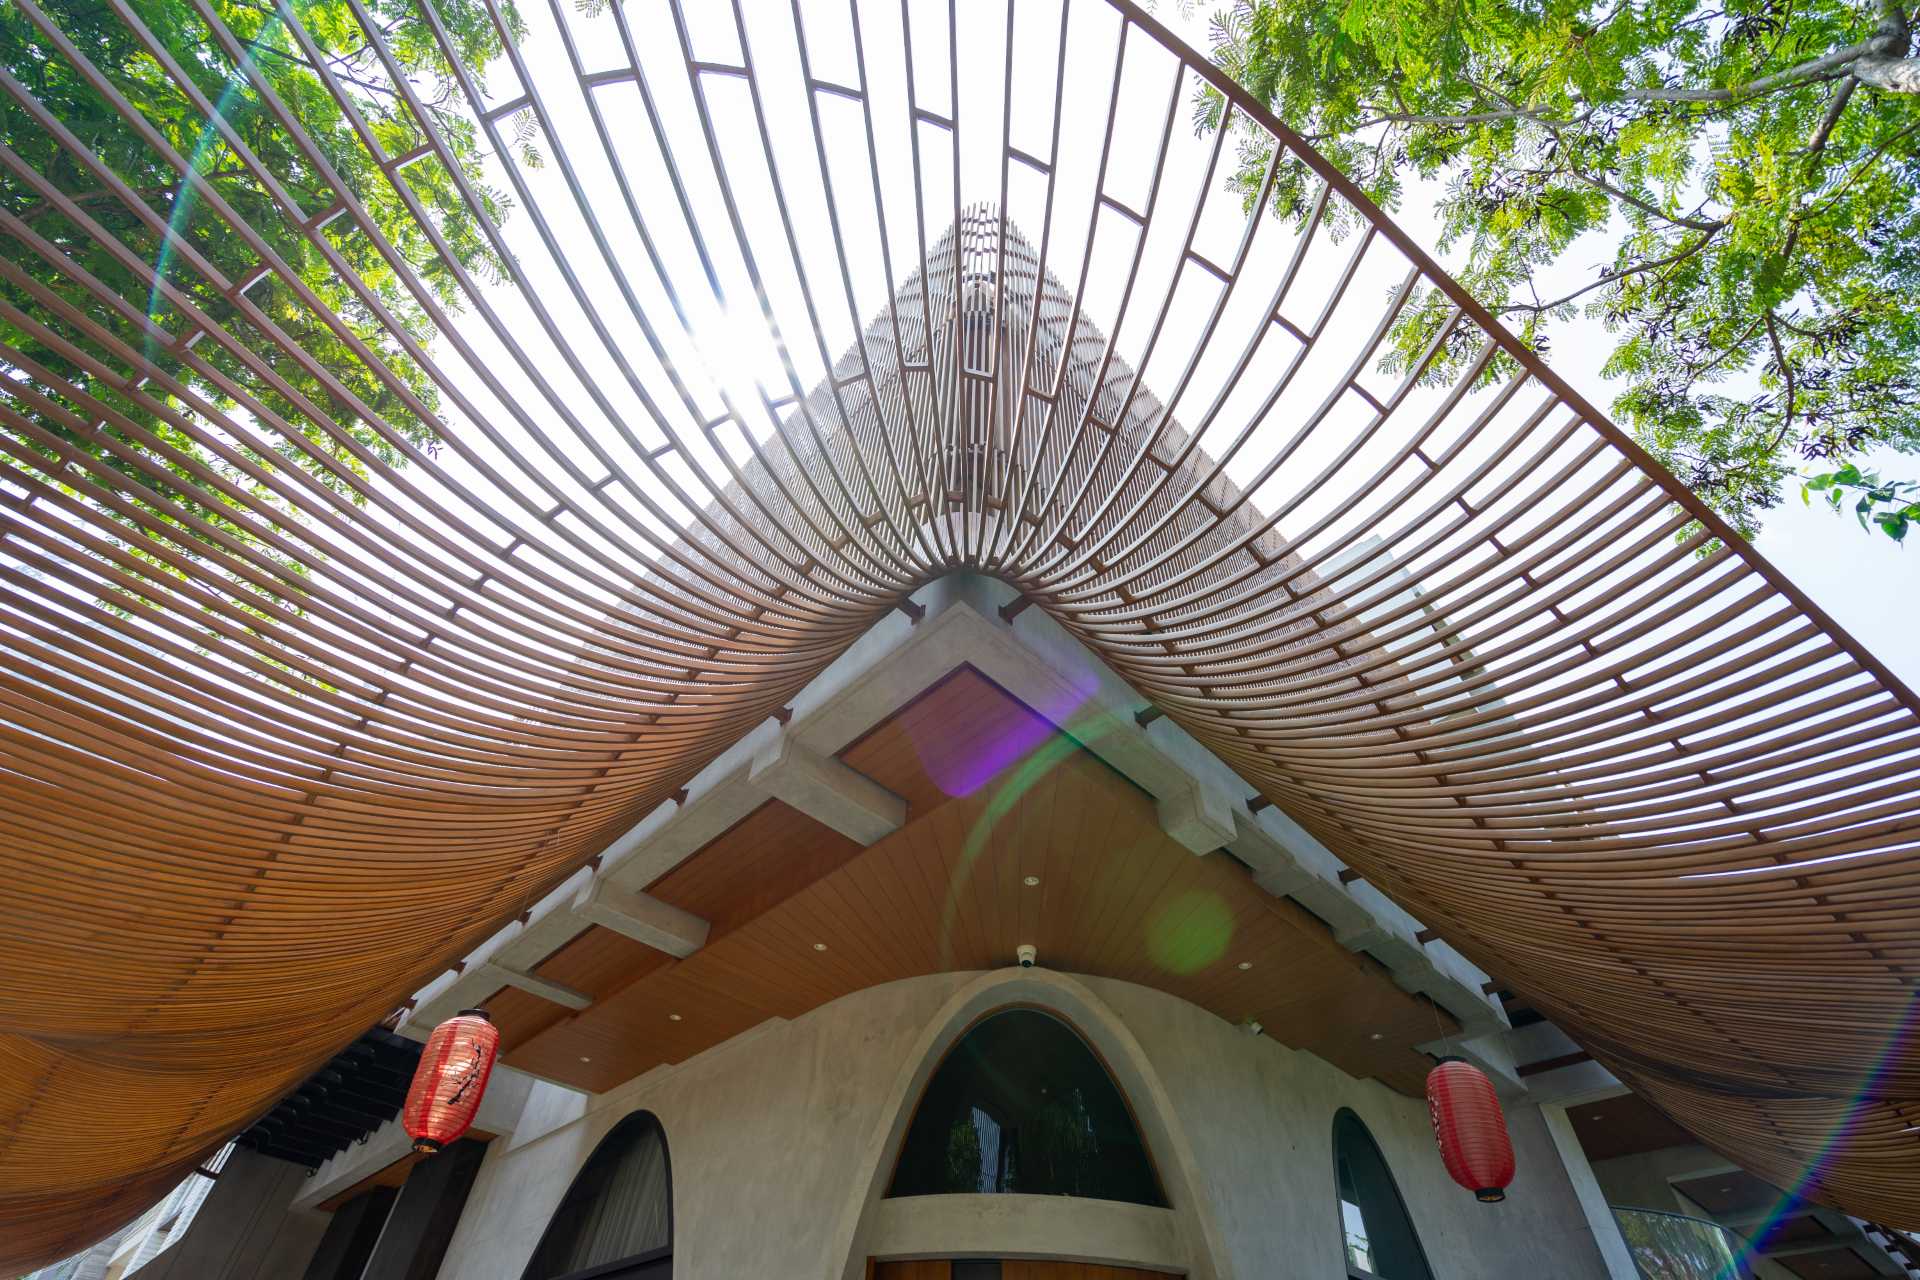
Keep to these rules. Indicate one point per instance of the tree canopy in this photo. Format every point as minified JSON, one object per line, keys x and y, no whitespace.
{"x":1756,"y":162}
{"x":152,"y":115}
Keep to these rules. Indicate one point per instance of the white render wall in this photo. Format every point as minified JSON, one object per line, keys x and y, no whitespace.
{"x":781,"y":1142}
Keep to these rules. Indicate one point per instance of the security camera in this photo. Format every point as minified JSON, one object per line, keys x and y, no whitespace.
{"x":1027,"y":954}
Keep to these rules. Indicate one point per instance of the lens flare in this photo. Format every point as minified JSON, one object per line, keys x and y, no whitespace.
{"x":960,"y":766}
{"x":1864,"y":1096}
{"x":1189,"y":932}
{"x":186,"y":196}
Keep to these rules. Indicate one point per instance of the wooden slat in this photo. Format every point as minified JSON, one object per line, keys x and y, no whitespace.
{"x":264,"y":776}
{"x":763,"y":859}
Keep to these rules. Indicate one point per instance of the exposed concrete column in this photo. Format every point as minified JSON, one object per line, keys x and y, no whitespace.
{"x":350,"y":1237}
{"x":414,"y":1239}
{"x":247,"y":1229}
{"x":1586,"y":1189}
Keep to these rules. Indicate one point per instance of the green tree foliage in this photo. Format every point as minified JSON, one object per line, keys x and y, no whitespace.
{"x":1894,"y":505}
{"x":1756,"y":163}
{"x":103,"y":268}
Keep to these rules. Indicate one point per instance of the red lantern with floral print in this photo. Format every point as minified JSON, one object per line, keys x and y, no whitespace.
{"x":450,"y":1080}
{"x":1470,"y":1128}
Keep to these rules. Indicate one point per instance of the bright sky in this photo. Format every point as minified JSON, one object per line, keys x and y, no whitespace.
{"x":1865,"y":582}
{"x":637,"y":332}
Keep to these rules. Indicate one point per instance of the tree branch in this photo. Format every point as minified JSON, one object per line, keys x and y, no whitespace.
{"x":1536,"y":114}
{"x":1895,"y":75}
{"x":1877,"y":155}
{"x":1696,"y":224}
{"x":105,"y":195}
{"x":1878,"y":60}
{"x":1817,"y":69}
{"x":1786,"y":375}
{"x":1612,"y":277}
{"x":1835,"y":109}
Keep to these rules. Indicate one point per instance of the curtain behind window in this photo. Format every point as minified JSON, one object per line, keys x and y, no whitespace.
{"x":620,"y":1206}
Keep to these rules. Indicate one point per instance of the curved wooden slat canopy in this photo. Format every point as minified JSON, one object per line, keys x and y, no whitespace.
{"x":266,"y":773}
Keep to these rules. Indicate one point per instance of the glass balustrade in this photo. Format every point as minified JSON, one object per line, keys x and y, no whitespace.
{"x":1672,"y":1246}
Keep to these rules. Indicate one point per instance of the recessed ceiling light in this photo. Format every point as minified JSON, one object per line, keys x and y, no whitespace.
{"x":1596,"y":1116}
{"x":1246,"y":964}
{"x":1032,"y":881}
{"x":1376,"y":1036}
{"x":673,"y":1017}
{"x":586,"y":1059}
{"x":819,"y":946}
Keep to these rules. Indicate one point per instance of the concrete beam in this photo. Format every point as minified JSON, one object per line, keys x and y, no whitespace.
{"x":1570,"y":1086}
{"x":716,"y":799}
{"x":643,"y":918}
{"x":534,"y":985}
{"x":1489,"y":1053}
{"x":1289,"y":863}
{"x":1198,"y":806}
{"x":1541,"y":1042}
{"x":827,"y":791}
{"x":448,"y":995}
{"x":1198,"y":818}
{"x":522,"y":944}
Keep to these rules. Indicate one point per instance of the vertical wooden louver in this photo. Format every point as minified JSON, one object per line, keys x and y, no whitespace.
{"x":286,"y":675}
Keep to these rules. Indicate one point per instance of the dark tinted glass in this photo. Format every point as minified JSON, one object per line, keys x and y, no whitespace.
{"x":1021,"y":1104}
{"x":620,"y":1207}
{"x":1378,"y":1234}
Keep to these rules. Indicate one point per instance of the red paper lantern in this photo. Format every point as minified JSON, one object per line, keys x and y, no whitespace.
{"x":450,"y":1080}
{"x":1470,"y":1128}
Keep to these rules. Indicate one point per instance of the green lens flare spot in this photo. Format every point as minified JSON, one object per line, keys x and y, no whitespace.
{"x":1190,"y":932}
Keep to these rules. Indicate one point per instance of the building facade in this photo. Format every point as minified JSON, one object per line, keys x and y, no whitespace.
{"x":807,"y":1078}
{"x":772,"y":645}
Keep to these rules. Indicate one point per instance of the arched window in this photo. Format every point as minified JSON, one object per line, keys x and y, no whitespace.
{"x":1021,"y":1104}
{"x":1380,"y":1242}
{"x":616,"y":1220}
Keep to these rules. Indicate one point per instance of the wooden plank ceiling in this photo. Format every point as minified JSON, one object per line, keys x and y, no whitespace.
{"x":996,"y":798}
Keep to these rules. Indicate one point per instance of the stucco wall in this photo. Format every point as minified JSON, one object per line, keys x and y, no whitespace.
{"x":781,"y":1140}
{"x":246,"y":1230}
